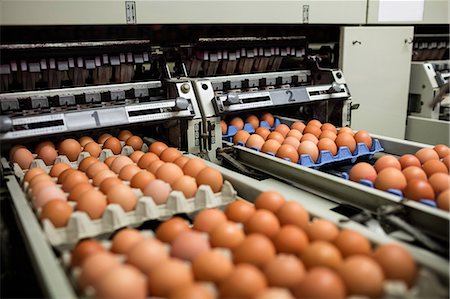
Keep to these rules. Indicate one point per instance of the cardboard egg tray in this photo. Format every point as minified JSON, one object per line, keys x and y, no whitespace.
{"x":81,"y":226}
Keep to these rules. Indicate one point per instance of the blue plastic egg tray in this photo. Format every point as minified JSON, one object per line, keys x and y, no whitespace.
{"x":232,"y":130}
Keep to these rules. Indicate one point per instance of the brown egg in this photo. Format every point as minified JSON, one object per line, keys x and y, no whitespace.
{"x":253,"y":120}
{"x":362,"y":276}
{"x":326,"y":144}
{"x":290,"y":239}
{"x":102,"y":175}
{"x":58,"y":168}
{"x":285,"y":271}
{"x":363,"y":171}
{"x":276,"y":136}
{"x":321,"y":229}
{"x":113,"y":144}
{"x":434,"y":166}
{"x":120,"y":162}
{"x":309,"y":137}
{"x":426,"y":154}
{"x":181,"y":161}
{"x":212,"y":266}
{"x":387,"y":161}
{"x":282,"y":129}
{"x":47,"y":194}
{"x":146,"y":159}
{"x":241,"y":137}
{"x":154,"y":166}
{"x":136,"y":155}
{"x":169,"y":172}
{"x":108,"y":161}
{"x":157,"y":148}
{"x":239,"y":211}
{"x":270,"y":146}
{"x":124,"y":135}
{"x":170,"y":229}
{"x":128,"y":172}
{"x":309,"y":148}
{"x":42,"y":144}
{"x":122,"y":195}
{"x":312,"y":129}
{"x":57,"y":211}
{"x":147,"y":254}
{"x":158,"y":190}
{"x":185,"y":184}
{"x":263,"y":132}
{"x":39,"y":177}
{"x":263,"y":222}
{"x":292,"y":141}
{"x":268,"y":117}
{"x":298,"y":125}
{"x":108,"y":183}
{"x":14,"y":149}
{"x":79,"y":189}
{"x":396,"y":262}
{"x":363,"y":137}
{"x":93,"y":148}
{"x":83,"y":249}
{"x":350,"y":242}
{"x":170,"y":154}
{"x":48,"y":154}
{"x":41,"y":185}
{"x":192,"y":291}
{"x":390,"y":178}
{"x":211,"y":177}
{"x":418,"y":189}
{"x":86,"y":162}
{"x":237,"y":122}
{"x":224,"y":127}
{"x":63,"y":175}
{"x":439,"y":182}
{"x":124,"y":240}
{"x":122,"y":282}
{"x":193,"y":167}
{"x":23,"y":157}
{"x":346,"y":130}
{"x":294,"y":213}
{"x":328,"y":134}
{"x":245,"y":281}
{"x":208,"y":219}
{"x":269,"y":200}
{"x":95,"y":266}
{"x":414,"y":172}
{"x":169,"y":276}
{"x":70,"y":148}
{"x":442,"y":150}
{"x":92,"y":202}
{"x":289,"y":152}
{"x":73,"y":179}
{"x":95,"y":168}
{"x":135,"y":142}
{"x":409,"y":160}
{"x":320,"y":282}
{"x":141,"y":179}
{"x":321,"y":254}
{"x":275,"y":293}
{"x":314,"y":122}
{"x":32,"y":173}
{"x":226,"y":235}
{"x":346,"y":140}
{"x":329,"y":127}
{"x":255,"y":141}
{"x":188,"y":245}
{"x":103,"y":137}
{"x":446,"y":161}
{"x":255,"y":249}
{"x":295,"y":133}
{"x":85,"y":140}
{"x":443,"y":200}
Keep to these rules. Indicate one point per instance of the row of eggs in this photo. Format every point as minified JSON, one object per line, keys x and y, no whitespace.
{"x":267,"y":250}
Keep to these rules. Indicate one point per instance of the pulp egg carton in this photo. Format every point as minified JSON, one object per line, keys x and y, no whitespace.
{"x":232,"y":130}
{"x":327,"y":158}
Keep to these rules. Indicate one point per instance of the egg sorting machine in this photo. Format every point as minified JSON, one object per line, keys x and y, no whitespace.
{"x":192,"y":87}
{"x":429,"y":78}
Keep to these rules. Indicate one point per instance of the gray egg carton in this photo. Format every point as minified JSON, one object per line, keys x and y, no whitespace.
{"x":81,"y":226}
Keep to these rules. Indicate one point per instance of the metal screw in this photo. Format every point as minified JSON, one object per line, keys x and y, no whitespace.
{"x":185,"y":88}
